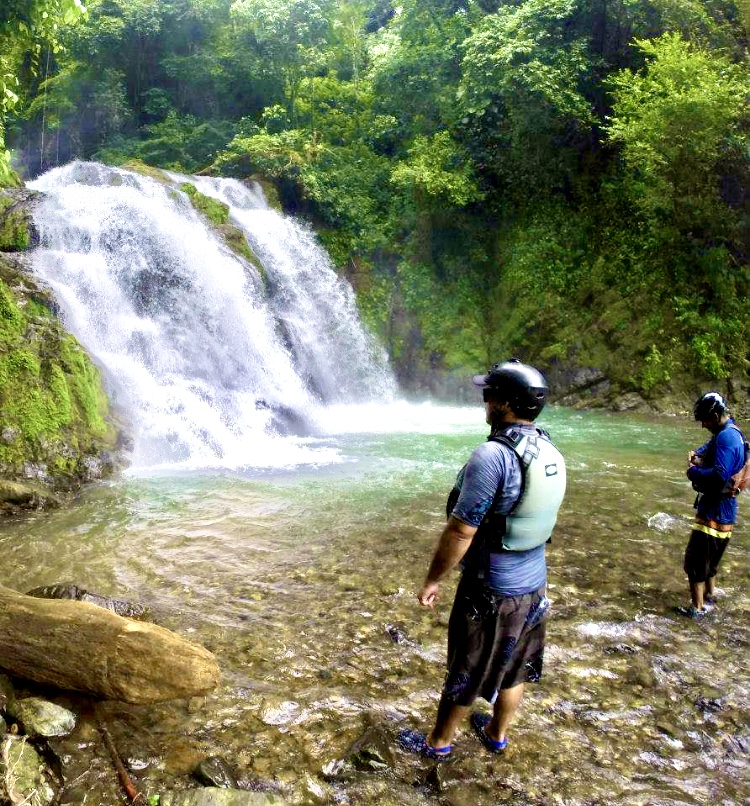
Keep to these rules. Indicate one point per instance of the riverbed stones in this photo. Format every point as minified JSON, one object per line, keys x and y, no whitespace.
{"x":24,"y":779}
{"x":40,"y":717}
{"x":215,"y":796}
{"x":68,"y":590}
{"x":372,"y":751}
{"x":214,"y":771}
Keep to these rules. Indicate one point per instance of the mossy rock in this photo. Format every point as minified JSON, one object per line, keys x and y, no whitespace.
{"x":16,"y":495}
{"x":56,"y":430}
{"x":147,"y":170}
{"x":17,"y":230}
{"x":270,"y":191}
{"x":215,"y":211}
{"x":217,"y":214}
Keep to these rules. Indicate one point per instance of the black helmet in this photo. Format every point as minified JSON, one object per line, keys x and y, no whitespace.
{"x":522,"y":386}
{"x":708,"y":406}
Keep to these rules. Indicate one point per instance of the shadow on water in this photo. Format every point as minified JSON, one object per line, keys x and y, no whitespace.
{"x":299,"y":581}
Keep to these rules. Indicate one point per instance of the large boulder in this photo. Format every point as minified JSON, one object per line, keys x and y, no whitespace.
{"x":83,"y":647}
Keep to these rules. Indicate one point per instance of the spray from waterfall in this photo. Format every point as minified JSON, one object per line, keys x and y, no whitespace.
{"x":217,"y":361}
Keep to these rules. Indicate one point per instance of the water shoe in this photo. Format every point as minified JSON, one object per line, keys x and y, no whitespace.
{"x":692,"y":612}
{"x":415,"y":742}
{"x":479,"y":722}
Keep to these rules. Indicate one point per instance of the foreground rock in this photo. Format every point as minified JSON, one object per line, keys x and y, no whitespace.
{"x":213,"y":796}
{"x":79,"y":646}
{"x":39,"y":717}
{"x":23,"y":776}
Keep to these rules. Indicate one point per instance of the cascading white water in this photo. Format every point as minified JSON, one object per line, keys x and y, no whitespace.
{"x":213,"y":362}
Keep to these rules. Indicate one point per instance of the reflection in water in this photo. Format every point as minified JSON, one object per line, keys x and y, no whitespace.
{"x":295,"y":581}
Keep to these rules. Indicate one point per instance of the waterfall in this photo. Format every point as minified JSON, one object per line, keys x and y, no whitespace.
{"x":217,"y":363}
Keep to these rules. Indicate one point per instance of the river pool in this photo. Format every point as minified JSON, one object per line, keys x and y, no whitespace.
{"x":293,"y":576}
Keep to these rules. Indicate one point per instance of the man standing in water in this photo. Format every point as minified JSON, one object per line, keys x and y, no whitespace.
{"x":711,"y":469}
{"x":500,"y":515}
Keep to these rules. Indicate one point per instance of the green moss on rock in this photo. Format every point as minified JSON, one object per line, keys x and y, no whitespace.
{"x":55,"y":427}
{"x":147,"y":170}
{"x":15,"y":226}
{"x":218,"y":214}
{"x":215,"y":211}
{"x":270,"y":191}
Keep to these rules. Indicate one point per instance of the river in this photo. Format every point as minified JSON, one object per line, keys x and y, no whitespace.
{"x":293,"y":576}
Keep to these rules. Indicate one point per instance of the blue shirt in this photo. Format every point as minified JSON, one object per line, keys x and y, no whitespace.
{"x":723,"y":456}
{"x":494,"y":467}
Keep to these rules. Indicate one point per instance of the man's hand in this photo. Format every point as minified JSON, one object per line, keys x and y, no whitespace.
{"x":428,"y":594}
{"x":453,"y":544}
{"x":694,"y":459}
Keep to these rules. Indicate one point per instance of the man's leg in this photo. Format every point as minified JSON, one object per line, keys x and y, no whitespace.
{"x":448,"y":718}
{"x":697,"y":590}
{"x":710,"y":587}
{"x":506,"y":705}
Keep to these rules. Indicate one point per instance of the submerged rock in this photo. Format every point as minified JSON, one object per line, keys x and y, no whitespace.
{"x":396,"y":633}
{"x":370,"y":753}
{"x":214,"y":771}
{"x":214,"y":796}
{"x":710,"y":703}
{"x":40,"y":717}
{"x":73,"y":592}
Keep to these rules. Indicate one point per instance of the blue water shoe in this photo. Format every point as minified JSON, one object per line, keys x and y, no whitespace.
{"x":415,"y":742}
{"x":479,"y":722}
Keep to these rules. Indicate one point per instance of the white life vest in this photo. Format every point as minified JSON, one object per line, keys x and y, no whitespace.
{"x":532,"y":519}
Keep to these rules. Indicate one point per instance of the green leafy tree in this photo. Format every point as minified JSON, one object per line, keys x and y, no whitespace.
{"x":525,"y":96}
{"x":26,"y":28}
{"x":675,"y":122}
{"x":290,"y":33}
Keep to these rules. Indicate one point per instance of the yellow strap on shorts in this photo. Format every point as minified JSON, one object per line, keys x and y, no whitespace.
{"x":701,"y":527}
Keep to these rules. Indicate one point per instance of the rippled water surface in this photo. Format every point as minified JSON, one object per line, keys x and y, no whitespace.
{"x":292,"y":578}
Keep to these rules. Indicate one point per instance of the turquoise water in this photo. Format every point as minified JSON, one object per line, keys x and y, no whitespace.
{"x":292,"y":577}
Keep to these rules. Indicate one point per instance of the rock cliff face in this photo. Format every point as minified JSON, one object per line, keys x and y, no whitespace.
{"x":56,"y":429}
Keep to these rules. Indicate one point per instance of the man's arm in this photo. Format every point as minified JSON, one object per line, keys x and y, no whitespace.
{"x":714,"y":479}
{"x":454,"y":543}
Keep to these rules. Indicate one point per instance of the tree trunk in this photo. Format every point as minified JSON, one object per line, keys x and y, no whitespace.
{"x":77,"y":645}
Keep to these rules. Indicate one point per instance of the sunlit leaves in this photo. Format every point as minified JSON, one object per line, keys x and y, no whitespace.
{"x":675,"y":120}
{"x":437,"y":168}
{"x":26,"y":26}
{"x":531,"y":48}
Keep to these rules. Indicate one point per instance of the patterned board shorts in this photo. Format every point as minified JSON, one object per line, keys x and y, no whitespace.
{"x":493,"y":642}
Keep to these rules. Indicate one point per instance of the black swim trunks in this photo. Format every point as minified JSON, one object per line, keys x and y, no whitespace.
{"x":703,"y":555}
{"x":493,"y":642}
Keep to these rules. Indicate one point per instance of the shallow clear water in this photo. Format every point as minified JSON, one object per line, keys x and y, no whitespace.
{"x":292,"y":577}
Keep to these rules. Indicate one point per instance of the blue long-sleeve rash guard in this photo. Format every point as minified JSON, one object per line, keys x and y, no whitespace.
{"x":723,"y":456}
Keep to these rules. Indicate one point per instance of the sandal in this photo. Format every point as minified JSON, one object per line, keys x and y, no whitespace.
{"x":479,"y":722}
{"x":415,"y":742}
